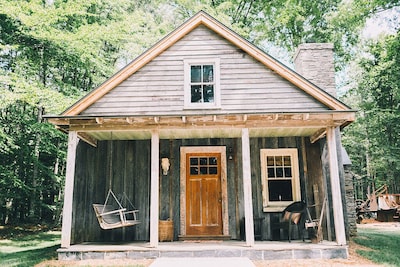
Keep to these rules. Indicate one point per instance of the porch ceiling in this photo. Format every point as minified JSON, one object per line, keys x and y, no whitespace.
{"x":92,"y":129}
{"x":206,"y":132}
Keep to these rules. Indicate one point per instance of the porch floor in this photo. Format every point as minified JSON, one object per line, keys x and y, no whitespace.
{"x":262,"y":250}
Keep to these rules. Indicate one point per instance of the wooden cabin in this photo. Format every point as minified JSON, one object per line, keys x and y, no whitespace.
{"x":207,"y":131}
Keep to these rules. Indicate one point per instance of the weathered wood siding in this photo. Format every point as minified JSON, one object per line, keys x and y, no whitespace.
{"x":316,"y":186}
{"x":246,"y":84}
{"x":130,"y":174}
{"x":131,"y":165}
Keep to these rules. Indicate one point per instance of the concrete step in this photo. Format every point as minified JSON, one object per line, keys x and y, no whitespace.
{"x":201,"y":262}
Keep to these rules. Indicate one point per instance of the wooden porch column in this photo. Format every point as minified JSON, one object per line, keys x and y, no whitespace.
{"x":69,"y":190}
{"x":248,"y":204}
{"x":335,"y":187}
{"x":154,"y":188}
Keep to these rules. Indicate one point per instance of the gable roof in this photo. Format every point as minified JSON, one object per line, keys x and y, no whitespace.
{"x":202,"y":18}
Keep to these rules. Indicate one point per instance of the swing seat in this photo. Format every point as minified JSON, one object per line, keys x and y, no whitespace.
{"x":110,"y":218}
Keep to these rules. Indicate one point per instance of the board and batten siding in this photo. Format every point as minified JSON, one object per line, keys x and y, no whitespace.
{"x":124,"y":166}
{"x":246,"y":85}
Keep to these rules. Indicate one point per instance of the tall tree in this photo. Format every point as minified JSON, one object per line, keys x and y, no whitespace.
{"x":375,"y":136}
{"x":53,"y":52}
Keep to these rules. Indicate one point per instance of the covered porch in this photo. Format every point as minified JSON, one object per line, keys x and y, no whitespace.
{"x":245,"y":133}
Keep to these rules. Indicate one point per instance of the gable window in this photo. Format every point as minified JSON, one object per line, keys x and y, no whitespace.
{"x":201,"y":83}
{"x":280,"y":178}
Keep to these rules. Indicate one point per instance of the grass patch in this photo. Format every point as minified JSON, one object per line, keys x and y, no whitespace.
{"x":30,"y":249}
{"x":382,"y":245}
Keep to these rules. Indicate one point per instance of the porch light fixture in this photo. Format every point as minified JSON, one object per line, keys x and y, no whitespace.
{"x":165,"y":165}
{"x":230,"y":152}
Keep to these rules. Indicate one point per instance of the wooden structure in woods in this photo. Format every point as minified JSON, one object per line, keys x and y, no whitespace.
{"x":207,"y":131}
{"x":379,"y":204}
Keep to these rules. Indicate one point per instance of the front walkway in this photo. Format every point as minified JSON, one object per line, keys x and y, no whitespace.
{"x":262,"y":250}
{"x":201,"y":262}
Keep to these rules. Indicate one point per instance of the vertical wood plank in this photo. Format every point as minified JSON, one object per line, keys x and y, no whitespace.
{"x":69,"y":189}
{"x":154,"y":193}
{"x":248,"y":205}
{"x":335,"y":187}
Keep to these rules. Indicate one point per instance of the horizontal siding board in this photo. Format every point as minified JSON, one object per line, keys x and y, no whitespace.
{"x":135,"y":106}
{"x":260,"y":98}
{"x":246,"y":84}
{"x":178,"y":112}
{"x":156,"y":92}
{"x":146,"y":84}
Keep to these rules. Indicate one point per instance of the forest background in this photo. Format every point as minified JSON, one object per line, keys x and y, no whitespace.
{"x":52,"y":52}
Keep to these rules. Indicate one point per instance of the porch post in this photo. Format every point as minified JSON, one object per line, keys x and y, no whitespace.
{"x":154,"y":188}
{"x":69,"y":190}
{"x":248,"y":204}
{"x":335,"y":187}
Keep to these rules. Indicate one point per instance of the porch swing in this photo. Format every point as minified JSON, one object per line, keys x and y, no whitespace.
{"x":115,"y":216}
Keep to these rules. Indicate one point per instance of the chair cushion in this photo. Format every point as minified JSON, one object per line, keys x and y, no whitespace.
{"x":295,"y":216}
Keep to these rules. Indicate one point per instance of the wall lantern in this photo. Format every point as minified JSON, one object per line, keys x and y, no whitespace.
{"x":165,"y":165}
{"x":230,"y":153}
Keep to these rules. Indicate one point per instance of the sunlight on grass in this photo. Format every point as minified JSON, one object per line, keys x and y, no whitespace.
{"x":30,"y":249}
{"x":29,"y":242}
{"x":383,"y":245}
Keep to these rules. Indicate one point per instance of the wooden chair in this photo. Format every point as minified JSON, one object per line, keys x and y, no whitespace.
{"x":111,"y":217}
{"x":291,"y":216}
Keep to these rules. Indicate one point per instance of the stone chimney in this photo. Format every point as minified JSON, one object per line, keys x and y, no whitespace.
{"x":314,"y":61}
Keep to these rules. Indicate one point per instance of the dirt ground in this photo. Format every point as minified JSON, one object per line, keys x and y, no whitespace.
{"x":353,"y":260}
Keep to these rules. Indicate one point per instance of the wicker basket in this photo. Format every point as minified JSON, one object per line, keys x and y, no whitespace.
{"x":166,"y":230}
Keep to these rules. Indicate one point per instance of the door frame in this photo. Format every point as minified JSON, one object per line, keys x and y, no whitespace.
{"x":224,"y":184}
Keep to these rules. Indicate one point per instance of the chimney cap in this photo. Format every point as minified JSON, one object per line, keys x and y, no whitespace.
{"x":313,"y":46}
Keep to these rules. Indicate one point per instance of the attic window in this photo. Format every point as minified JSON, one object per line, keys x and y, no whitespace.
{"x":201,"y":83}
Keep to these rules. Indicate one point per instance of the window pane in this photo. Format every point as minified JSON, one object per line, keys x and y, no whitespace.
{"x":208,"y":73}
{"x":213,"y":161}
{"x":270,"y":161}
{"x":208,"y":93}
{"x":194,"y":161}
{"x":280,"y":190}
{"x":195,"y":74}
{"x":279,"y":172}
{"x":213,"y":170}
{"x":196,"y":93}
{"x":278,"y":161}
{"x":271,"y":172}
{"x":203,"y":170}
{"x":288,"y":172}
{"x":287,"y":161}
{"x":203,"y":161}
{"x":194,"y":170}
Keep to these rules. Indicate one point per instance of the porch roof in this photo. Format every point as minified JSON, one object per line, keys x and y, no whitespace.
{"x":92,"y":128}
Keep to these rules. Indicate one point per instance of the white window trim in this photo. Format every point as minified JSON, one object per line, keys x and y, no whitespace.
{"x":277,"y":206}
{"x":217,"y":94}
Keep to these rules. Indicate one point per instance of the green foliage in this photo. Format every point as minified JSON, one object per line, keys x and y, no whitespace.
{"x":51,"y":53}
{"x":286,"y":23}
{"x":374,"y":139}
{"x":382,"y":245}
{"x":30,"y":168}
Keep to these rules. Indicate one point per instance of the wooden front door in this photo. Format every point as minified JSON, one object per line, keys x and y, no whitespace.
{"x":203,"y":194}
